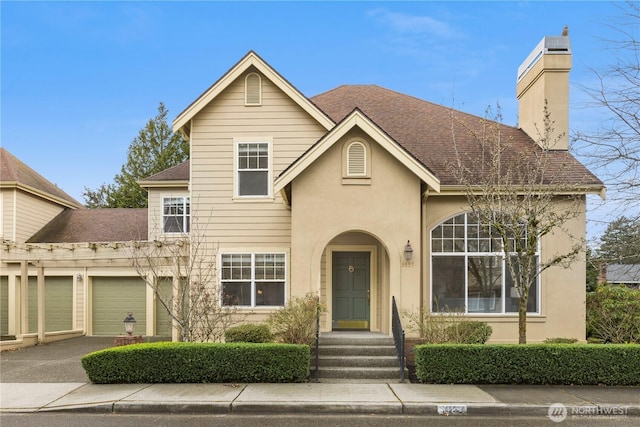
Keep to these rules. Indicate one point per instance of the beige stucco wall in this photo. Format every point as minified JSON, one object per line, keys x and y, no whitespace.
{"x":547,"y":81}
{"x":562,"y":290}
{"x":388,"y":208}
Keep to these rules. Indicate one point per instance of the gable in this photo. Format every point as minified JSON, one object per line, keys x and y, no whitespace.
{"x":251,"y":60}
{"x":356,"y":120}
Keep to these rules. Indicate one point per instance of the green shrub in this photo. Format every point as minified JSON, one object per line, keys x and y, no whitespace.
{"x":249,"y":332}
{"x":179,"y":362}
{"x":580,"y":364}
{"x":560,"y":340}
{"x":613,"y":314}
{"x":296,"y":323}
{"x":468,"y":332}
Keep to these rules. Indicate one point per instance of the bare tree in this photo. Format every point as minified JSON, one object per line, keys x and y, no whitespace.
{"x":183,"y":275}
{"x":613,"y":150}
{"x":519,"y":196}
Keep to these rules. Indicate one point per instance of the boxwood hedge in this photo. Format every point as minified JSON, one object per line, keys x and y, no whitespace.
{"x":579,"y":364}
{"x":173,"y":362}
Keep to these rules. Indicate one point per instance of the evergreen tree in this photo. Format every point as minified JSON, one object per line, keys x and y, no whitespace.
{"x":620,"y":243}
{"x":155,"y":149}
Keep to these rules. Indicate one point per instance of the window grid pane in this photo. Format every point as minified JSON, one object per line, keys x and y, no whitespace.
{"x":253,"y":280}
{"x":480,"y":283}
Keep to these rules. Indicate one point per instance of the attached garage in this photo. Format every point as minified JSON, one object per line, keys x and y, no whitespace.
{"x":112,"y":298}
{"x":58,"y":304}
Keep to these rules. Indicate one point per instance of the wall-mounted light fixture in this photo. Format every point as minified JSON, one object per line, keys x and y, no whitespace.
{"x":79,"y":277}
{"x":408,"y":251}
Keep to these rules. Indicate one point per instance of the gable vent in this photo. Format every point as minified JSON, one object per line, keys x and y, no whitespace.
{"x":356,"y":163}
{"x":253,"y":90}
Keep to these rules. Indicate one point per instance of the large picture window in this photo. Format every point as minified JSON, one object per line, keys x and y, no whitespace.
{"x":253,"y":169}
{"x":175,"y":214}
{"x":253,"y":280}
{"x":469,"y":272}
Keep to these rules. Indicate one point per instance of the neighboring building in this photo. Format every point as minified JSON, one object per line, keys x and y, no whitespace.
{"x":623,"y":274}
{"x":321,"y":194}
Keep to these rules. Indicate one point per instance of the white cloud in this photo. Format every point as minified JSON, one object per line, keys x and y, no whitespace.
{"x":414,"y":24}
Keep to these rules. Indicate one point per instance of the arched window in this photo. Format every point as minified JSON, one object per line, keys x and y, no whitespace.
{"x":253,"y":89}
{"x":469,"y":272}
{"x":356,"y":159}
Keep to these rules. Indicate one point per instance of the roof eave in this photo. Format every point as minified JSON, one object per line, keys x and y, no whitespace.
{"x":42,"y":194}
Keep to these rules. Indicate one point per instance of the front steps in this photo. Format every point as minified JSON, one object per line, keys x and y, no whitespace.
{"x":356,"y":357}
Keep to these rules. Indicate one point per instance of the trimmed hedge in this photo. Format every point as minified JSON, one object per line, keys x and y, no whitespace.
{"x":180,"y":362}
{"x":249,"y":332}
{"x":579,"y":364}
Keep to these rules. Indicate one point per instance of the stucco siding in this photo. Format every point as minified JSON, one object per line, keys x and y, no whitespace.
{"x":33,"y":214}
{"x":290,"y":131}
{"x":562,"y":290}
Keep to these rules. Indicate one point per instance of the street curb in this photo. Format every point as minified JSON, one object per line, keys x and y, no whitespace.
{"x":123,"y":407}
{"x":317,"y":408}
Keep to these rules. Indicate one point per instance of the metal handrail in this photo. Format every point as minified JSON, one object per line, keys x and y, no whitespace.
{"x":317,"y":337}
{"x":398,"y":336}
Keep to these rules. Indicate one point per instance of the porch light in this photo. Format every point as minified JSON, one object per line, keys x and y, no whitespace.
{"x":408,"y":251}
{"x":129,"y":323}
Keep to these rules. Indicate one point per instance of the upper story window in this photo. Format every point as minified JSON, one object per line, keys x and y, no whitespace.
{"x":253,"y":89}
{"x":253,"y":169}
{"x":175,"y":214}
{"x":253,"y":279}
{"x":469,"y":272}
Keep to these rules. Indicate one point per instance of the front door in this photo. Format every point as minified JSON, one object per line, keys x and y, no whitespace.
{"x":351,"y":290}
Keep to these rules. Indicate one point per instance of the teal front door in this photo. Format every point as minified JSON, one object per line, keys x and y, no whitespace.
{"x":351,"y":290}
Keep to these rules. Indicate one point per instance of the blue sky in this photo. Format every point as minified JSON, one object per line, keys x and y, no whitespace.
{"x":80,"y":79}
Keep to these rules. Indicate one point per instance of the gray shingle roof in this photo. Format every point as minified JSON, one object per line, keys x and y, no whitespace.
{"x":94,"y":225}
{"x":176,"y":173}
{"x":623,"y":273}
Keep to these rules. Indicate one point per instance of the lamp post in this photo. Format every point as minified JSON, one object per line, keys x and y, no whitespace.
{"x":129,"y":323}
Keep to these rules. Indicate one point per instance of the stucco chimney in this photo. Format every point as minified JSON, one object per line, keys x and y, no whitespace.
{"x":544,"y":76}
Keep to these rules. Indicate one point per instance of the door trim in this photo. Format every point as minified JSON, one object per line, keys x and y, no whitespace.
{"x":374,"y":324}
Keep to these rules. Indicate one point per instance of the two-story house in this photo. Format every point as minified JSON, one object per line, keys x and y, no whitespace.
{"x":348,"y":194}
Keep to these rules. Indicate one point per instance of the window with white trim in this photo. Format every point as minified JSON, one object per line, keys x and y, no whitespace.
{"x":175,"y":214}
{"x":253,"y":168}
{"x":253,"y":279}
{"x":469,"y":272}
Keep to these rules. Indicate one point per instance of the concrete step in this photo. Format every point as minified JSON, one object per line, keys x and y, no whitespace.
{"x":356,"y":350}
{"x":370,"y":339}
{"x":390,"y":374}
{"x":356,"y":361}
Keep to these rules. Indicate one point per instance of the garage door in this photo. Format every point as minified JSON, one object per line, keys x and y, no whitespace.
{"x":112,"y":298}
{"x":58,"y":304}
{"x":4,"y":305}
{"x":163,"y":318}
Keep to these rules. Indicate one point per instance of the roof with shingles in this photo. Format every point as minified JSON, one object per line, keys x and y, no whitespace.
{"x":94,"y":225}
{"x":426,"y":130}
{"x":12,"y":170}
{"x":176,"y":173}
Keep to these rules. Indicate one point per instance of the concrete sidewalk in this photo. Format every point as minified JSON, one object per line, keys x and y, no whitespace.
{"x":327,"y":398}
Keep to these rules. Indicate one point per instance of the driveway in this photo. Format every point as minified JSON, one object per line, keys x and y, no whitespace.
{"x":57,"y":362}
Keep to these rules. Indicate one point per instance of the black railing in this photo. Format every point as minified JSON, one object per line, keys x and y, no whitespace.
{"x":398,"y":336}
{"x":317,"y":337}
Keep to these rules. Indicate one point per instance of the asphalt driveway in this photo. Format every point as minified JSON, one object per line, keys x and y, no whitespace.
{"x":57,"y":362}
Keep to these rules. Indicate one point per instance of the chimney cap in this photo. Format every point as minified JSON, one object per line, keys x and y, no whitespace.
{"x":549,"y":45}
